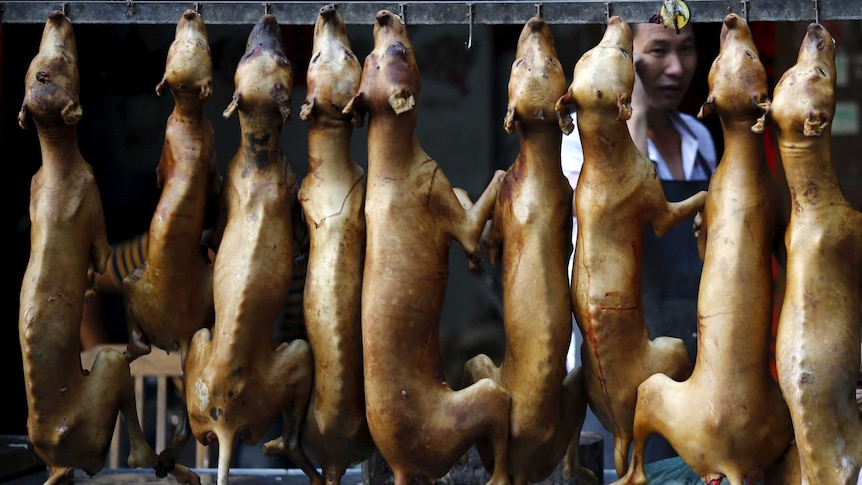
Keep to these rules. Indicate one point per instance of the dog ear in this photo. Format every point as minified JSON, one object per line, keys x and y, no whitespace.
{"x":23,"y":116}
{"x":402,"y":101}
{"x":509,"y":120}
{"x":206,"y":90}
{"x":815,"y":124}
{"x":764,"y":108}
{"x":231,"y":108}
{"x":355,"y":109}
{"x":624,"y":103}
{"x":160,"y":87}
{"x":72,"y":112}
{"x":564,"y":118}
{"x":307,"y":109}
{"x":707,"y":108}
{"x":356,"y":103}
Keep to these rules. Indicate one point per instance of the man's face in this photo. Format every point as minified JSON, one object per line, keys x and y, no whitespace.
{"x":667,"y":63}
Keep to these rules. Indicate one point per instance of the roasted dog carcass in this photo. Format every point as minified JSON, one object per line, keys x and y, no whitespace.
{"x":419,"y":424}
{"x":531,"y":229}
{"x":335,"y":434}
{"x":728,"y":418}
{"x":618,"y":195}
{"x":170,"y":296}
{"x":235,"y":383}
{"x":817,"y":350}
{"x":72,"y":411}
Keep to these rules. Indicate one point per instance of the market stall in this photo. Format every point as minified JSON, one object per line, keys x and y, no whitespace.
{"x":464,"y":50}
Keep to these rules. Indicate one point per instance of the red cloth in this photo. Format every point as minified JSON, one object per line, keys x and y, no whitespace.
{"x":764,"y":38}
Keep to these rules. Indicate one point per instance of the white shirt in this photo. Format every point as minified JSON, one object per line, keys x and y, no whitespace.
{"x":694,"y":138}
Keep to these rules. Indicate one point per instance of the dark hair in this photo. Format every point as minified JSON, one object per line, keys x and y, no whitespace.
{"x":635,"y":26}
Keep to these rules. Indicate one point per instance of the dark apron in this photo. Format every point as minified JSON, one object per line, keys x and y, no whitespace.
{"x":671,"y":278}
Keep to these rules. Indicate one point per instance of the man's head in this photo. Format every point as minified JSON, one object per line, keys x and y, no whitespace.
{"x":666,"y":63}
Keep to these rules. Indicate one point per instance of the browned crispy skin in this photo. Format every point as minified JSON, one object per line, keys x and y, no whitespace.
{"x":71,"y":411}
{"x":532,"y":229}
{"x":728,"y":418}
{"x":335,"y":434}
{"x":618,"y":194}
{"x":170,"y":296}
{"x":236,"y":384}
{"x":817,"y":351}
{"x":419,"y":424}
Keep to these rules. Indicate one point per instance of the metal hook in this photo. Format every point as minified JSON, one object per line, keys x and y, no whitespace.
{"x":402,"y":12}
{"x":63,"y":9}
{"x":607,"y":11}
{"x":266,"y":6}
{"x":198,"y":8}
{"x":816,"y":11}
{"x":539,"y":10}
{"x":130,"y":9}
{"x":745,"y":10}
{"x":469,"y":42}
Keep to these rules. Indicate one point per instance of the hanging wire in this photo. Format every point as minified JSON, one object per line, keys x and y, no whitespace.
{"x":469,"y":42}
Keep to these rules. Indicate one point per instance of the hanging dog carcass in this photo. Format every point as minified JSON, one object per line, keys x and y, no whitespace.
{"x":419,"y":424}
{"x":170,"y":296}
{"x":235,"y":383}
{"x":817,"y":348}
{"x":332,"y":195}
{"x":618,"y":195}
{"x":531,"y":230}
{"x":72,"y":411}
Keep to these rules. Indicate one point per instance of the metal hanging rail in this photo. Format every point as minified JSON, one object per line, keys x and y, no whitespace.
{"x":425,"y":13}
